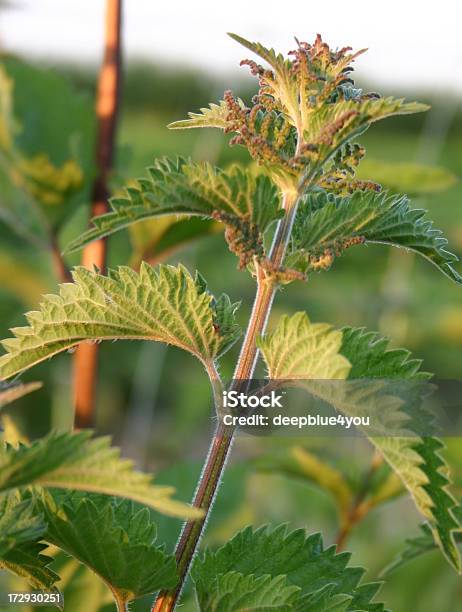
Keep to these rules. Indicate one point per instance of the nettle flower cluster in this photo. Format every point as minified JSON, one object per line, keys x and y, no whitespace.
{"x":276,"y":128}
{"x":300,"y":128}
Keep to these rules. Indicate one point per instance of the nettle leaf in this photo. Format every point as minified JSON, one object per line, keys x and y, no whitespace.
{"x":234,"y":592}
{"x":27,"y":561}
{"x":301,"y":349}
{"x":327,"y":224}
{"x":296,"y":559}
{"x":274,"y":59}
{"x":21,"y":528}
{"x":164,"y":304}
{"x":49,"y":152}
{"x":77,"y":461}
{"x":394,"y":421}
{"x":420,"y":545}
{"x":416,"y":460}
{"x":212,"y":117}
{"x":11,"y":392}
{"x":113,"y":538}
{"x":19,"y":522}
{"x":17,"y":208}
{"x":280,"y":83}
{"x":281,"y":87}
{"x":371,"y":357}
{"x":347,"y":117}
{"x":82,"y":589}
{"x":244,"y":201}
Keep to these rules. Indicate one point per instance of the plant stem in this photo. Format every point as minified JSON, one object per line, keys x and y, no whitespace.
{"x":120,"y":602}
{"x":86,"y":357}
{"x":361,"y":507}
{"x":223,"y":438}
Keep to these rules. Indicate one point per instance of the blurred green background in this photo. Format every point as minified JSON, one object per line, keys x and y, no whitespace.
{"x":155,"y":401}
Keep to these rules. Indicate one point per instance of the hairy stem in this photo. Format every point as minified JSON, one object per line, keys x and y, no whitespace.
{"x":223,"y":437}
{"x":120,"y":602}
{"x":86,"y":357}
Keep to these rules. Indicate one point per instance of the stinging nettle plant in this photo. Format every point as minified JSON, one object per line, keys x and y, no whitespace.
{"x":286,"y":217}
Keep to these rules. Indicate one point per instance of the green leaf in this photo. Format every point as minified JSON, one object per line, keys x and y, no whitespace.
{"x":371,"y":357}
{"x":329,"y":127}
{"x":21,"y":528}
{"x":11,"y":392}
{"x":233,"y":592}
{"x":114,"y":539}
{"x":78,"y":462}
{"x":28,"y":562}
{"x":19,"y":522}
{"x":326,"y":225}
{"x":214,"y":117}
{"x":17,"y":208}
{"x":163,"y":304}
{"x":80,"y":586}
{"x":282,"y":85}
{"x":275,"y":60}
{"x":301,"y":560}
{"x":48,"y":153}
{"x":407,"y":177}
{"x":415,"y":547}
{"x":417,"y":461}
{"x":300,"y":349}
{"x":324,"y":601}
{"x":244,"y":201}
{"x":361,"y":114}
